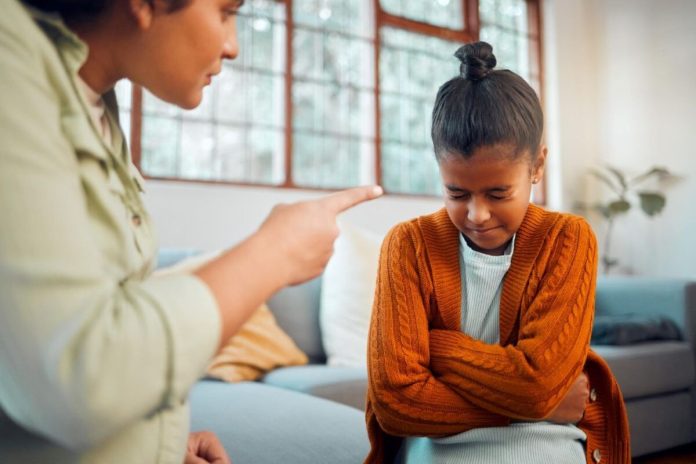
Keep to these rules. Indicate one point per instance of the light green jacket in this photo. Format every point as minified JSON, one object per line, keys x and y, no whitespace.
{"x":96,"y":357}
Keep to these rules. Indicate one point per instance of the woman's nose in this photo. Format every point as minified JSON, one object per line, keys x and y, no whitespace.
{"x":230,"y":49}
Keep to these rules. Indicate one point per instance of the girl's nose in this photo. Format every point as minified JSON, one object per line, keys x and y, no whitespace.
{"x":478,"y":212}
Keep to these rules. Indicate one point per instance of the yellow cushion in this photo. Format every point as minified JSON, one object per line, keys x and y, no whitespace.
{"x":259,"y":346}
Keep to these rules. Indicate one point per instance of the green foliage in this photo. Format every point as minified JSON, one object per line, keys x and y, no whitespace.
{"x":625,"y":192}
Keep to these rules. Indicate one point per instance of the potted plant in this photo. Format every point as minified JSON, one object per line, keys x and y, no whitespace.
{"x":625,"y":192}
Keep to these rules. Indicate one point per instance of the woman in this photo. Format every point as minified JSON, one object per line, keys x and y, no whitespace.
{"x":96,"y":356}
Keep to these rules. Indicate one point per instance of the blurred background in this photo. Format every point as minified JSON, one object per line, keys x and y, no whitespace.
{"x":329,"y":94}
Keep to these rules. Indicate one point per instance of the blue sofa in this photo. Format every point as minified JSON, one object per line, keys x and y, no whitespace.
{"x":657,"y":378}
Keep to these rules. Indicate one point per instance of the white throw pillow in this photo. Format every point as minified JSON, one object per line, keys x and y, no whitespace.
{"x":347,"y":292}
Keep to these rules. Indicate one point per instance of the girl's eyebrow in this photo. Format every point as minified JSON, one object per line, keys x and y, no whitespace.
{"x":497,"y":188}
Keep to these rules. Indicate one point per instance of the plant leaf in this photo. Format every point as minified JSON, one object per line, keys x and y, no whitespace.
{"x":606,"y":180}
{"x":658,"y":171}
{"x":619,"y":206}
{"x":652,"y":202}
{"x":619,"y":176}
{"x":602,"y":209}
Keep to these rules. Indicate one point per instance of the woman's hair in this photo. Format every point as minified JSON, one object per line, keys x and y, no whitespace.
{"x":89,"y":9}
{"x":483,"y":106}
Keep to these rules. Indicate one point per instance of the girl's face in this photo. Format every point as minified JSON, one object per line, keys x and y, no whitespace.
{"x":187,"y":47}
{"x":487,"y":194}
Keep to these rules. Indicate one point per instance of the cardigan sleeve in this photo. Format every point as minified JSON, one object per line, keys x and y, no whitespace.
{"x":407,"y":399}
{"x":528,"y":379}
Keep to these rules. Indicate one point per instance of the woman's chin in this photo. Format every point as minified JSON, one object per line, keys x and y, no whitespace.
{"x":191,"y":102}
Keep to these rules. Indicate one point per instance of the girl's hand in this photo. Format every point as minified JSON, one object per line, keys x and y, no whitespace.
{"x":205,"y":448}
{"x":572,"y":407}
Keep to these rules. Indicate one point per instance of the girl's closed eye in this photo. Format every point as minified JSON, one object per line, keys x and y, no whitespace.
{"x":499,"y":195}
{"x":459,"y":195}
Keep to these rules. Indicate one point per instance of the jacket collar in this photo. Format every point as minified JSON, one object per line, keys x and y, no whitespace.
{"x":441,"y":239}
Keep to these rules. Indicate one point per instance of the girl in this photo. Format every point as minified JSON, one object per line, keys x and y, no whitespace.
{"x":483,"y":310}
{"x":96,"y":355}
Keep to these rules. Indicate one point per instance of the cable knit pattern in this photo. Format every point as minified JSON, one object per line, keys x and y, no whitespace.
{"x":427,"y":378}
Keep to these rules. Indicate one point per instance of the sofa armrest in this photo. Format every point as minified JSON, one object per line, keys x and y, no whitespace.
{"x":649,"y":296}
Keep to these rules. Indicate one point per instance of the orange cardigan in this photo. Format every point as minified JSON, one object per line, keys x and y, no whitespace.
{"x":427,"y":378}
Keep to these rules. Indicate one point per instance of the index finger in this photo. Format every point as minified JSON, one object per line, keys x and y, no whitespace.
{"x":345,"y":199}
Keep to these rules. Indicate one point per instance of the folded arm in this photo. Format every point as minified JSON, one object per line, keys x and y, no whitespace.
{"x":407,"y":398}
{"x":528,"y":380}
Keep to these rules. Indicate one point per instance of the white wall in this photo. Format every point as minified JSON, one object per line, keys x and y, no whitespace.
{"x":618,"y":91}
{"x":209,"y":217}
{"x":625,"y":96}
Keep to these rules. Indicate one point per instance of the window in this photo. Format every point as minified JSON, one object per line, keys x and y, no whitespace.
{"x":329,"y":93}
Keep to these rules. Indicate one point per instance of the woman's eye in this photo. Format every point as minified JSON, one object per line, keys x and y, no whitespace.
{"x":228,"y":13}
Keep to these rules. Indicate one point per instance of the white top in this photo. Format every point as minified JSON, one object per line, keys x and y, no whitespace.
{"x":538,"y":442}
{"x":97,"y":109}
{"x":482,"y":284}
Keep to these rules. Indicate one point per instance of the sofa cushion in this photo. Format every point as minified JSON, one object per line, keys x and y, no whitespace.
{"x":346,"y":385}
{"x":347,"y":293}
{"x":296,"y":310}
{"x":261,"y":424}
{"x":650,"y":368}
{"x":259,"y":346}
{"x":627,"y":329}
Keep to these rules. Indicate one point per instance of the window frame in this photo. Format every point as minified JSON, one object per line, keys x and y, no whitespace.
{"x":468,"y":33}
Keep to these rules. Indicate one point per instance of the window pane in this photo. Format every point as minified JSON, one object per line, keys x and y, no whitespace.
{"x":350,"y":16}
{"x":414,"y":66}
{"x":508,"y":14}
{"x":326,"y":161}
{"x":230,"y":150}
{"x":160,"y":146}
{"x":511,"y":50}
{"x":264,"y":166}
{"x":410,"y":170}
{"x":267,"y":96}
{"x":231,"y":101}
{"x":445,"y":13}
{"x":333,"y":94}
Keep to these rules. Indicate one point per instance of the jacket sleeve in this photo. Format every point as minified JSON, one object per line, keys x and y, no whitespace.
{"x":528,"y":379}
{"x":405,"y":396}
{"x":82,"y":354}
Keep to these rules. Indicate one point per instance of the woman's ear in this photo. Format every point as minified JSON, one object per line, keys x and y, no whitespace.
{"x":142,"y":12}
{"x":539,"y":164}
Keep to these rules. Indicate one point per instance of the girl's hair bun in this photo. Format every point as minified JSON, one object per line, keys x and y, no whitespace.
{"x":477,"y":60}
